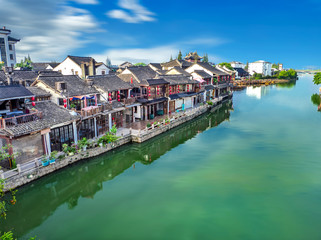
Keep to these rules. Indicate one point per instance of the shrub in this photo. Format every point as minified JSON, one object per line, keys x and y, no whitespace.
{"x":209,"y":103}
{"x":148,"y":125}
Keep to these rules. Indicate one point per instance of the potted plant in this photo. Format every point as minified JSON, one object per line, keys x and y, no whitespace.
{"x":73,"y":107}
{"x":45,"y":162}
{"x":83,"y":143}
{"x":148,"y":125}
{"x":53,"y":157}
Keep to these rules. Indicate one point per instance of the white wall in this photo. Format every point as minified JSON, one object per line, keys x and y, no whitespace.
{"x":69,"y":67}
{"x":260,"y":67}
{"x":101,"y":68}
{"x":238,"y":65}
{"x":197,"y":67}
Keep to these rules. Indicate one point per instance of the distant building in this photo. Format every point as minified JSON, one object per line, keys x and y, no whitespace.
{"x":237,"y":65}
{"x":280,"y":67}
{"x":7,"y":48}
{"x":261,"y":67}
{"x":193,"y":57}
{"x":81,"y":66}
{"x":43,"y":66}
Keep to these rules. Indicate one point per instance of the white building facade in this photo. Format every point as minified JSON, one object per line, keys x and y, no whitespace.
{"x":261,"y":67}
{"x":237,"y":65}
{"x":7,"y":48}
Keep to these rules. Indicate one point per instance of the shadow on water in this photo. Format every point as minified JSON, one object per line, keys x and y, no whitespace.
{"x":37,"y":201}
{"x":290,"y":84}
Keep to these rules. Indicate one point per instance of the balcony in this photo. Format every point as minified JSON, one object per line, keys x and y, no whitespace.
{"x":17,"y":120}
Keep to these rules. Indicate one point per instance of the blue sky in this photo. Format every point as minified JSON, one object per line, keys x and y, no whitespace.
{"x":151,"y":31}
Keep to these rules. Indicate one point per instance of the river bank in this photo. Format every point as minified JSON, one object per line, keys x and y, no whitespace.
{"x":241,"y":84}
{"x":34,"y":170}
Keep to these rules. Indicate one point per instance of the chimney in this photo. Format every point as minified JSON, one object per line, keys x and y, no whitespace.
{"x":83,"y":70}
{"x":8,"y":72}
{"x":92,"y":67}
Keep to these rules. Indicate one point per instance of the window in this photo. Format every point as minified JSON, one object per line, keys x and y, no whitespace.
{"x":103,"y":72}
{"x":61,"y":101}
{"x":11,"y":56}
{"x":10,"y":47}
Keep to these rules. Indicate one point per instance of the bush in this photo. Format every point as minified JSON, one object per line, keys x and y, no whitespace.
{"x":209,"y":103}
{"x":148,"y":125}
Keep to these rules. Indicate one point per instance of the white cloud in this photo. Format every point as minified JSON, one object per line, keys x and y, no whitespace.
{"x":145,"y":55}
{"x":48,"y":29}
{"x":135,"y":55}
{"x":136,"y":13}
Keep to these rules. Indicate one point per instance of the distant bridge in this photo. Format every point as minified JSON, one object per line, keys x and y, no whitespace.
{"x":308,"y":71}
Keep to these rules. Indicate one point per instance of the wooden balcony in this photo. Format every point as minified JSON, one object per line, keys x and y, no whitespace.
{"x":14,"y":121}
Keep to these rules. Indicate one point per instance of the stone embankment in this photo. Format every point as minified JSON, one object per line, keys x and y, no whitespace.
{"x":34,"y":170}
{"x":238,"y":84}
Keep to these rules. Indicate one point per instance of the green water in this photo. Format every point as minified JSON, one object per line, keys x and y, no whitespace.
{"x":251,"y":172}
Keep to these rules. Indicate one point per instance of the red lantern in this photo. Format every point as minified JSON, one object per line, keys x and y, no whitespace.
{"x":109,"y":94}
{"x":32,"y":98}
{"x":132,"y":95}
{"x":65,"y":100}
{"x":109,"y":98}
{"x":113,"y":119}
{"x":65,"y":105}
{"x":33,"y":104}
{"x":149,"y":95}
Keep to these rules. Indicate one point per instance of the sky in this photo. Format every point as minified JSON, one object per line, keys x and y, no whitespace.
{"x":282,"y":31}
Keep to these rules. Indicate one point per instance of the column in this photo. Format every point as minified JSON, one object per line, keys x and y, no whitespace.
{"x":75,"y":132}
{"x":48,"y":143}
{"x":110,"y":121}
{"x":95,"y":125}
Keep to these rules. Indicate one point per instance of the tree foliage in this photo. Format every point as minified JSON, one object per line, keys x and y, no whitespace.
{"x":179,"y":56}
{"x":140,"y":64}
{"x":316,"y":99}
{"x":228,"y":65}
{"x":289,"y":74}
{"x":205,"y":58}
{"x":317,"y":78}
{"x":26,"y":63}
{"x":275,"y":65}
{"x":108,"y":62}
{"x":246,"y":68}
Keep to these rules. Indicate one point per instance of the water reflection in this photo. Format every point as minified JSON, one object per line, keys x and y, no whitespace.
{"x":257,"y":91}
{"x":39,"y":200}
{"x":290,"y":84}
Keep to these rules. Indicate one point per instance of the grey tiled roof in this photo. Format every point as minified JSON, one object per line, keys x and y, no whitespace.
{"x":41,"y":66}
{"x":13,"y":39}
{"x":178,"y":79}
{"x":75,"y":85}
{"x":202,"y":74}
{"x":14,"y":92}
{"x":110,"y":82}
{"x":17,"y":75}
{"x":212,"y":69}
{"x":38,"y":92}
{"x":142,"y":73}
{"x":156,"y":81}
{"x":157,"y":65}
{"x":52,"y":115}
{"x":80,"y":60}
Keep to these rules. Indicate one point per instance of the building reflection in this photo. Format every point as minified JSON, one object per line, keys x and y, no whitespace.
{"x":37,"y":201}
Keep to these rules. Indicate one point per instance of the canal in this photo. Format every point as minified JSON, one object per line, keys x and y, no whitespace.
{"x":248,"y":170}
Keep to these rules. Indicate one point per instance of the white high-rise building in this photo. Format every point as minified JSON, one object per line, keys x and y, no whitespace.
{"x":262,"y":67}
{"x":7,"y":48}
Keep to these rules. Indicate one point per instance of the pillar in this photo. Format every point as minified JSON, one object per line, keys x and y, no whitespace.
{"x":95,"y":124}
{"x":75,"y":132}
{"x":110,"y":121}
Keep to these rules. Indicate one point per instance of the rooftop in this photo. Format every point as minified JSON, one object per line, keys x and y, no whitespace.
{"x":110,"y":82}
{"x":14,"y":92}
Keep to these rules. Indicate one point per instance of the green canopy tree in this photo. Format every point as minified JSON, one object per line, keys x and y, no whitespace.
{"x":205,"y":58}
{"x":140,"y":64}
{"x":228,"y":65}
{"x":179,"y":56}
{"x":317,"y":78}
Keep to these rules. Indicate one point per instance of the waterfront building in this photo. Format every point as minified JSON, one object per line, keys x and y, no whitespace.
{"x":7,"y":48}
{"x":261,"y":67}
{"x":220,"y":79}
{"x":230,"y":72}
{"x":81,"y":66}
{"x":241,"y":73}
{"x":236,"y":64}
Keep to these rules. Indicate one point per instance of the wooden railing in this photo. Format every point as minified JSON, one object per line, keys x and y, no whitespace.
{"x":13,"y":121}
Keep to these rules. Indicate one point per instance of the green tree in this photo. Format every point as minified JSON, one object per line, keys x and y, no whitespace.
{"x":289,"y":74}
{"x":275,"y":65}
{"x":26,"y":63}
{"x":1,"y":65}
{"x":246,"y":68}
{"x":228,"y":65}
{"x":316,"y":99}
{"x":140,"y":64}
{"x":179,"y":56}
{"x":205,"y":58}
{"x":171,"y":59}
{"x":317,"y":78}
